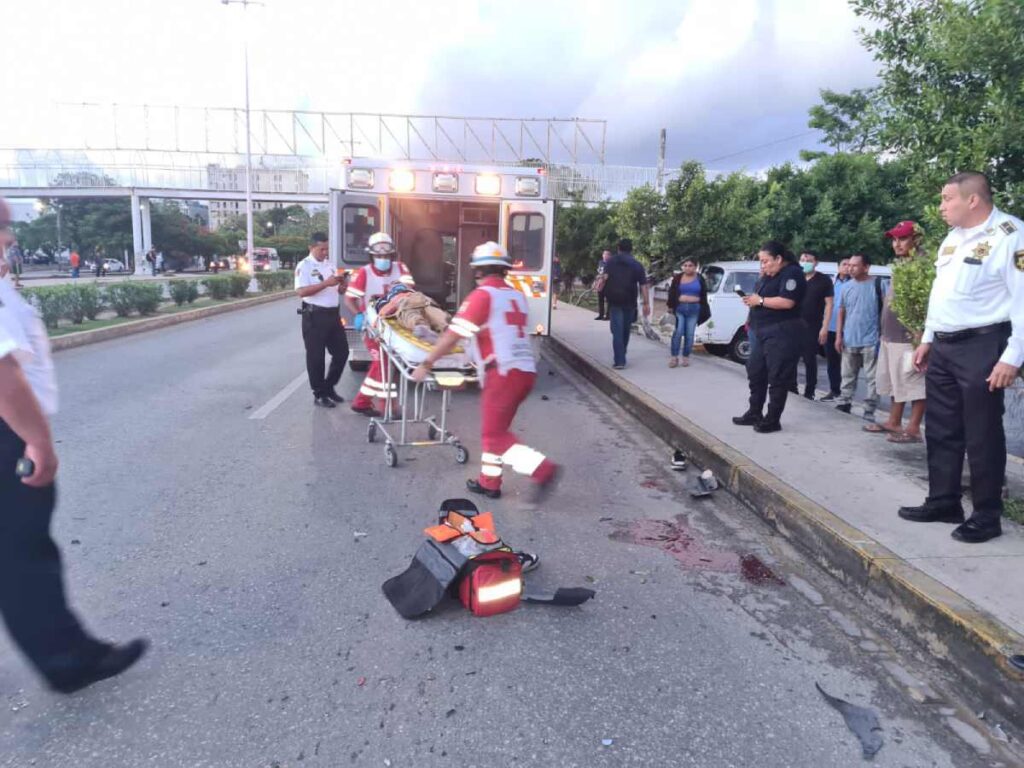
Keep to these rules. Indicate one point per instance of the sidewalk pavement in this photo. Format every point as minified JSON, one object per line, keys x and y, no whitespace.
{"x":834,"y":489}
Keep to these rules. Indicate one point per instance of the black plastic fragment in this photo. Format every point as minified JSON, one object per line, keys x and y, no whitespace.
{"x":861,"y":720}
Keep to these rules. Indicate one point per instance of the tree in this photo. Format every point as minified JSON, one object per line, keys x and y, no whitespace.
{"x":639,"y":217}
{"x":582,"y":231}
{"x":846,"y":119}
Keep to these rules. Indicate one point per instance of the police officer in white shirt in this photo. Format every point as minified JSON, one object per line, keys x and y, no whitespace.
{"x":972,"y":349}
{"x":322,"y":331}
{"x":32,"y":599}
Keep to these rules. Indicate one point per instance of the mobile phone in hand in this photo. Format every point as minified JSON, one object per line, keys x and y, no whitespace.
{"x":740,"y":292}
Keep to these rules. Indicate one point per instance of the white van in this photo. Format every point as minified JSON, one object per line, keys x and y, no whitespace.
{"x":725,"y":333}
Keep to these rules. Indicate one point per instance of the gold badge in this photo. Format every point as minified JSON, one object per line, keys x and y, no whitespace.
{"x":981,"y":251}
{"x":1008,"y":227}
{"x":949,"y":250}
{"x":1018,"y":260}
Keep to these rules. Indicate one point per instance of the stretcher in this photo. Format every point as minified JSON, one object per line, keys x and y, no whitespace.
{"x":405,"y":352}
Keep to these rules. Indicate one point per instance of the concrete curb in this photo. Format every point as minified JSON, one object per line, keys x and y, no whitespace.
{"x":81,"y":338}
{"x":973,"y":643}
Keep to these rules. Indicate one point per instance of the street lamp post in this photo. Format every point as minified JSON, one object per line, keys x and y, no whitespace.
{"x":249,"y":245}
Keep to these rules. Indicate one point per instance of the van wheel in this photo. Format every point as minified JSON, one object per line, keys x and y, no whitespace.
{"x":739,"y":347}
{"x":361,"y":366}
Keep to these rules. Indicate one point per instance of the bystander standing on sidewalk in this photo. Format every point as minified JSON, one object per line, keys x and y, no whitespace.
{"x":833,"y":358}
{"x":626,"y":279}
{"x":556,"y":281}
{"x":602,"y":310}
{"x":76,"y":263}
{"x":857,"y":334}
{"x":776,"y":334}
{"x":896,"y":374}
{"x":815,"y":311}
{"x":972,"y":350}
{"x":688,"y":301}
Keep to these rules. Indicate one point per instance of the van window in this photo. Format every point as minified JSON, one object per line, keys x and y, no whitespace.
{"x":358,"y":223}
{"x":745,"y":280}
{"x":526,"y":241}
{"x":713,"y":277}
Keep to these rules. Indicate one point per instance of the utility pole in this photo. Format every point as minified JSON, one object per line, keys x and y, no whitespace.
{"x":661,"y":162}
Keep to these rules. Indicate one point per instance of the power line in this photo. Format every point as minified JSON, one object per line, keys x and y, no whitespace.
{"x":761,"y":146}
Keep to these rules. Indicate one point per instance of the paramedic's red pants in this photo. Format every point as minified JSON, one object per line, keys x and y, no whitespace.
{"x":373,"y":387}
{"x":499,"y":402}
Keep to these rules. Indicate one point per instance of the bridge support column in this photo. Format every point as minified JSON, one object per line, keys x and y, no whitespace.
{"x":142,"y":233}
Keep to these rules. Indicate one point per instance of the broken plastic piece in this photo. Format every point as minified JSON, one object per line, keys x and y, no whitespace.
{"x":704,"y":484}
{"x":861,"y":720}
{"x":564,"y":596}
{"x":607,"y":742}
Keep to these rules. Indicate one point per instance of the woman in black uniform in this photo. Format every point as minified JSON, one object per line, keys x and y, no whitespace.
{"x":775,"y":330}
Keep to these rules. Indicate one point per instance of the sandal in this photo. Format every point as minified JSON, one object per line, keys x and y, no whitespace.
{"x":877,"y":429}
{"x":903,"y":438}
{"x":673,"y":362}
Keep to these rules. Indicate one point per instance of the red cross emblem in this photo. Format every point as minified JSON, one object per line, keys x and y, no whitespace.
{"x":517,"y":318}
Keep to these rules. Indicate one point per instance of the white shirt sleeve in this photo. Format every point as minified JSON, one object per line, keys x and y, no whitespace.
{"x":1013,"y":268}
{"x":302,"y":274}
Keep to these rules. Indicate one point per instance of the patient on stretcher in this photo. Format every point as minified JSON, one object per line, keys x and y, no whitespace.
{"x":414,"y":311}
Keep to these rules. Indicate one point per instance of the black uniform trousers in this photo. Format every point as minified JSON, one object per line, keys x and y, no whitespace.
{"x":771,"y":367}
{"x":834,"y":360}
{"x":32,"y":600}
{"x":809,"y":354}
{"x":602,"y":309}
{"x":322,"y":332}
{"x":962,"y":415}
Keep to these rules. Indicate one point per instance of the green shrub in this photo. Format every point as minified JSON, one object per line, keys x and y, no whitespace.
{"x":237,"y":285}
{"x":51,"y":301}
{"x":121,"y":298}
{"x":218,"y":287}
{"x":912,"y":285}
{"x":274,"y":281}
{"x":90,"y":298}
{"x":183,"y":291}
{"x":147,"y":297}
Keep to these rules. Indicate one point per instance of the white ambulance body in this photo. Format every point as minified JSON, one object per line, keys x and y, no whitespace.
{"x":437,"y":214}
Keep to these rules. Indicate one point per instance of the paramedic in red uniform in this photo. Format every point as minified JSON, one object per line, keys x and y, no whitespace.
{"x":370,"y":282}
{"x":494,"y":317}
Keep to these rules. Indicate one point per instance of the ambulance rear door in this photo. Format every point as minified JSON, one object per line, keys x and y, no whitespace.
{"x":527,"y":230}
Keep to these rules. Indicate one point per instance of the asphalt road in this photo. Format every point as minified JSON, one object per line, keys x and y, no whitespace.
{"x":230,"y":542}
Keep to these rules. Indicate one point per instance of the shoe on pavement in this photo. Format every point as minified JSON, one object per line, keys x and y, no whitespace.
{"x":599,"y":317}
{"x":976,"y":531}
{"x":367,"y":410}
{"x":113,"y":662}
{"x":809,"y":395}
{"x":528,"y":561}
{"x":673,"y":362}
{"x":844,"y":407}
{"x":764,"y":426}
{"x":831,"y":397}
{"x":678,"y":461}
{"x":333,"y":395}
{"x":475,"y":487}
{"x":324,"y":401}
{"x":618,"y":367}
{"x":927,"y":513}
{"x":685,"y":362}
{"x":748,"y":419}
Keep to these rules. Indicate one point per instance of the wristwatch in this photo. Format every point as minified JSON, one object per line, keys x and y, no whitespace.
{"x":762,"y":301}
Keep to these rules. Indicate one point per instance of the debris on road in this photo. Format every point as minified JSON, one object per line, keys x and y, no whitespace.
{"x":704,"y":484}
{"x":1017,"y":660}
{"x":607,"y":742}
{"x":679,"y":461}
{"x":861,"y":720}
{"x":361,"y":682}
{"x":357,"y":535}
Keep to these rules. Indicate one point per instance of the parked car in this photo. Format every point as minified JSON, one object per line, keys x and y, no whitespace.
{"x":113,"y":265}
{"x":725,"y":333}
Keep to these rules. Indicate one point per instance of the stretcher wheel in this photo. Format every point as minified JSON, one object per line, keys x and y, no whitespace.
{"x":461,"y":454}
{"x":390,"y":456}
{"x":432,"y":432}
{"x":371,"y":432}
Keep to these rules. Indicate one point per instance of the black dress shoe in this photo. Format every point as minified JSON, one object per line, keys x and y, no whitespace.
{"x":764,"y":426}
{"x":933,"y":514}
{"x":324,"y":401}
{"x":475,"y":487}
{"x":845,"y":407}
{"x":975,"y":531}
{"x":113,"y":662}
{"x":333,"y":395}
{"x":748,"y":419}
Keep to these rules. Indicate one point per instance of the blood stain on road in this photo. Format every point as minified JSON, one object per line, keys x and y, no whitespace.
{"x":678,"y":539}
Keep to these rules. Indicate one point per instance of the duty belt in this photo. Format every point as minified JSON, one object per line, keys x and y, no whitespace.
{"x":968,"y":333}
{"x":318,"y":308}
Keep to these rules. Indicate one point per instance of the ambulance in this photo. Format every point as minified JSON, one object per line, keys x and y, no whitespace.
{"x":437,"y":214}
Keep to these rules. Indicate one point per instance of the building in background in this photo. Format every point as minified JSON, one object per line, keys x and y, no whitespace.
{"x":263,"y":180}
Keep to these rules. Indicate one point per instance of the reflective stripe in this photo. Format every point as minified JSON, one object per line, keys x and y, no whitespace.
{"x":464,"y":328}
{"x":368,"y":392}
{"x":523,"y":459}
{"x":407,"y":280}
{"x":489,"y":470}
{"x":355,"y":293}
{"x":490,"y":458}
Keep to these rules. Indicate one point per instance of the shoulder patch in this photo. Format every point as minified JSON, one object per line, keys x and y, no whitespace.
{"x":1018,"y":260}
{"x":1008,"y":227}
{"x":790,"y":284}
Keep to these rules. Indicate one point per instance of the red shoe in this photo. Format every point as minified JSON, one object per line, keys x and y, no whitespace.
{"x":366,"y":410}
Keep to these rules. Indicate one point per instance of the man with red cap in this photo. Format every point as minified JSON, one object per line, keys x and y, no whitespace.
{"x":493,"y":318}
{"x":896,"y":375}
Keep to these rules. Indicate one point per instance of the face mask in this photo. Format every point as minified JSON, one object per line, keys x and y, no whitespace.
{"x":807,"y":267}
{"x":382,"y":265}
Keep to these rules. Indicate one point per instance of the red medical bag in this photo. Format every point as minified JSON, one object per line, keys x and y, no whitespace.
{"x":492,"y":583}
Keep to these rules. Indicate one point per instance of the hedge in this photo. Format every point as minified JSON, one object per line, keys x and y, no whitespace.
{"x":274,"y":281}
{"x":183,"y":291}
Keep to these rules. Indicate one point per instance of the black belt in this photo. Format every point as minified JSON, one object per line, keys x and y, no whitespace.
{"x":318,"y":308}
{"x":968,"y":333}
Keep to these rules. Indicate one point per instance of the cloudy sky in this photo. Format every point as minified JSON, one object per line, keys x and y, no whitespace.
{"x":725,"y":77}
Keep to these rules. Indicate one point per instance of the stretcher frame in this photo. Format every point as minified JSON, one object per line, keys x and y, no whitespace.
{"x":444,"y":381}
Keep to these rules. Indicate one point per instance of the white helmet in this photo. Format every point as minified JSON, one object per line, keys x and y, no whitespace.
{"x":490,"y":254}
{"x":380,"y":244}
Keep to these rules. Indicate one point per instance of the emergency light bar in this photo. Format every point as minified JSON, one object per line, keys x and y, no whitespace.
{"x":527,"y":186}
{"x":488,"y":184}
{"x":360,"y":178}
{"x":446,"y":182}
{"x":402,"y":180}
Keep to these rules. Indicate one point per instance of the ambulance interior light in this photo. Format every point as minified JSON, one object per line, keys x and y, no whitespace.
{"x":360,"y":178}
{"x":500,"y":591}
{"x":402,"y":180}
{"x":446,"y":182}
{"x":527,"y":186}
{"x":488,"y":184}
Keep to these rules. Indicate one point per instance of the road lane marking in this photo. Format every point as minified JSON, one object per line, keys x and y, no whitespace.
{"x":271,"y":404}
